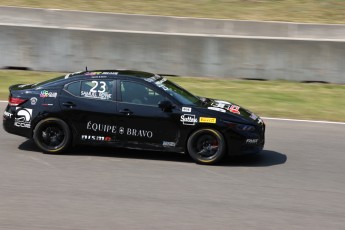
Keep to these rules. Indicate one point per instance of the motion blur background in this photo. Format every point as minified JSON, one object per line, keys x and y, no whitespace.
{"x":297,"y":182}
{"x":298,"y":41}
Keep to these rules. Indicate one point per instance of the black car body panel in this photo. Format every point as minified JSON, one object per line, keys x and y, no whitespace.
{"x":100,"y":108}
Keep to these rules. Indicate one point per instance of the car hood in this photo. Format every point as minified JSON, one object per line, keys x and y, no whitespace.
{"x":225,"y":108}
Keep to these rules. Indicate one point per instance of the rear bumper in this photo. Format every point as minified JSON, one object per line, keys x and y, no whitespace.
{"x":8,"y":126}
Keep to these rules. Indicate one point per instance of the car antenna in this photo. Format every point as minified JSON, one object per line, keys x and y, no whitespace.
{"x":86,"y":68}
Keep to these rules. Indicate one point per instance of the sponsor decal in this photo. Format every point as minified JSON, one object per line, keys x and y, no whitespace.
{"x":7,"y":114}
{"x":169,"y":144}
{"x":95,"y":138}
{"x":33,"y":100}
{"x":97,"y":94}
{"x":161,"y":81}
{"x":97,"y":127}
{"x":47,"y":104}
{"x":23,"y":117}
{"x":152,"y":79}
{"x":121,"y":130}
{"x":207,"y":120}
{"x":113,"y":73}
{"x":253,"y":116}
{"x":226,"y":105}
{"x":234,"y":109}
{"x":217,"y":109}
{"x":46,"y":93}
{"x":220,"y":104}
{"x":92,"y":73}
{"x":100,"y":73}
{"x":139,"y":133}
{"x":135,"y":132}
{"x":188,"y":119}
{"x":252,"y":141}
{"x":186,"y":109}
{"x":163,"y":87}
{"x":223,"y":102}
{"x":160,"y":84}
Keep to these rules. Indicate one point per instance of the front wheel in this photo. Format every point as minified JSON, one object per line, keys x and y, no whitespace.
{"x":52,"y":135}
{"x":206,"y":146}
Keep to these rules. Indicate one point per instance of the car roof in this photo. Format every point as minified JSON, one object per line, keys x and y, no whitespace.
{"x":129,"y":73}
{"x":81,"y":75}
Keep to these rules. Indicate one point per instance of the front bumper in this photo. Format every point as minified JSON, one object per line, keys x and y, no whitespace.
{"x":245,"y":142}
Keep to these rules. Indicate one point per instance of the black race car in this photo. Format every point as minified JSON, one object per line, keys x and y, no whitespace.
{"x":131,"y":109}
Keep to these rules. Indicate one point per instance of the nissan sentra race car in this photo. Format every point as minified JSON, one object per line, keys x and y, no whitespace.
{"x":130,"y":109}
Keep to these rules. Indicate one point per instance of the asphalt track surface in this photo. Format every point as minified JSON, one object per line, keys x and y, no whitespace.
{"x":297,"y":182}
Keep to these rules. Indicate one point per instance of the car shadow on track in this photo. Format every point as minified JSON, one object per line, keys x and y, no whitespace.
{"x":264,"y":159}
{"x":101,"y":151}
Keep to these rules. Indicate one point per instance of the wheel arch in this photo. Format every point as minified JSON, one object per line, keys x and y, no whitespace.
{"x":52,"y":134}
{"x":208,"y":126}
{"x":202,"y":135}
{"x":57,"y":116}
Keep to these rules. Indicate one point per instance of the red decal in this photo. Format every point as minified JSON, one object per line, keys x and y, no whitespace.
{"x":107,"y":138}
{"x":234,"y":109}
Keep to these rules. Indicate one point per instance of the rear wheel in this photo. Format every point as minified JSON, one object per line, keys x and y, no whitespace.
{"x":52,"y":135}
{"x":206,"y":146}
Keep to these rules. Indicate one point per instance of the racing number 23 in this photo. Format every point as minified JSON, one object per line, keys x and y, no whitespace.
{"x":101,"y":90}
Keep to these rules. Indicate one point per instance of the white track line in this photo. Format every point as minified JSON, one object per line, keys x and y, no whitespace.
{"x":310,"y":121}
{"x":172,"y":33}
{"x":284,"y":119}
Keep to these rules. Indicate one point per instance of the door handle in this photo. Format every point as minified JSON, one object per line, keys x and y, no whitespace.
{"x":126,"y":112}
{"x":68,"y":104}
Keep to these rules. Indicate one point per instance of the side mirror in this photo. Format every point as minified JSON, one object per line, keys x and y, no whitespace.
{"x":166,"y":106}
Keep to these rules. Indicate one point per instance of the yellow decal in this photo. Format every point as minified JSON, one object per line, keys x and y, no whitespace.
{"x":207,"y":120}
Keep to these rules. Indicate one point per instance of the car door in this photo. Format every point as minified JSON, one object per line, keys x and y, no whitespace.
{"x":142,"y":122}
{"x":89,"y":107}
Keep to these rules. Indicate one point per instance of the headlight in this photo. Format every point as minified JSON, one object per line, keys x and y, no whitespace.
{"x":247,"y":128}
{"x":240,"y":127}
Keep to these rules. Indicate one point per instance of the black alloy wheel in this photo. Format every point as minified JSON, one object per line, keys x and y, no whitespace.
{"x":52,"y":135}
{"x":206,"y":146}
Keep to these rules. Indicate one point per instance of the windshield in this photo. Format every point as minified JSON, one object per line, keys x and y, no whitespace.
{"x":179,"y":93}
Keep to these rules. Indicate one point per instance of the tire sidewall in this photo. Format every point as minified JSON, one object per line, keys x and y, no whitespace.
{"x":221,"y":149}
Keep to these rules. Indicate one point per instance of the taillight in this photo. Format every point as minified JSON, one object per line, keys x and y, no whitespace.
{"x":15,"y":101}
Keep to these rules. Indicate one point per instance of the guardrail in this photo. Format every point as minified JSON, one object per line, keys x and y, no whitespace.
{"x":56,"y":48}
{"x":150,"y":23}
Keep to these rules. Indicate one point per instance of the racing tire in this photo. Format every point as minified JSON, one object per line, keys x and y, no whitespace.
{"x":206,"y":146}
{"x":52,"y":135}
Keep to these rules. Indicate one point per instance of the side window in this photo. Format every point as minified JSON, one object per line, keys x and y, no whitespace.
{"x":136,"y":93}
{"x":74,"y":88}
{"x":97,"y":89}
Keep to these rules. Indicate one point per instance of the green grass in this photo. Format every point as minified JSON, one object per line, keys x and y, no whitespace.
{"x":266,"y":98}
{"x":321,"y":11}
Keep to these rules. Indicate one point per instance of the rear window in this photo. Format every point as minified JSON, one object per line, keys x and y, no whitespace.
{"x":53,"y":80}
{"x":95,"y":89}
{"x":74,"y":88}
